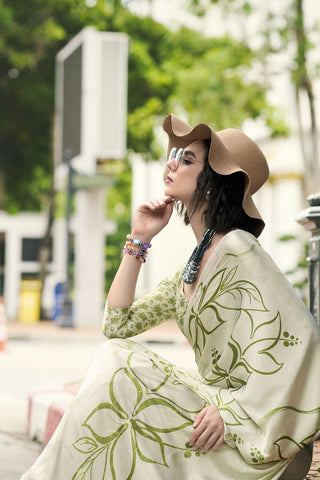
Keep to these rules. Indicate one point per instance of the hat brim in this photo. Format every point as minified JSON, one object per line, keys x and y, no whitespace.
{"x":230,"y":151}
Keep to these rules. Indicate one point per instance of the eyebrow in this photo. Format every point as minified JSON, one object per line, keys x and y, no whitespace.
{"x":190,"y":152}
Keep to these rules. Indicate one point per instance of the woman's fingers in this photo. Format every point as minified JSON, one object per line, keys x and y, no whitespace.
{"x":208,"y":434}
{"x":160,"y":203}
{"x":151,"y":217}
{"x":208,"y":441}
{"x":217,"y":444}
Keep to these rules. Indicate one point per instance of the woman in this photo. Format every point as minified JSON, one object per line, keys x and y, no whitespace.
{"x":255,"y":405}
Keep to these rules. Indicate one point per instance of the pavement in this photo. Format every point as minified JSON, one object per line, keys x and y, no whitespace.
{"x":44,"y":366}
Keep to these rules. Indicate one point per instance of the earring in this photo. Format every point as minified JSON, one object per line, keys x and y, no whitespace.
{"x":208,"y":194}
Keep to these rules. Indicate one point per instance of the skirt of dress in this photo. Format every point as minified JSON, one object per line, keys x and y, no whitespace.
{"x":132,"y":419}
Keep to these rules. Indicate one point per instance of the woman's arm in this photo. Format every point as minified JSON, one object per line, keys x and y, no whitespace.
{"x":149,"y":219}
{"x":151,"y":310}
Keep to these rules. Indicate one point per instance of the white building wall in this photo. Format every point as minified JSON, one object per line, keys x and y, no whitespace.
{"x":33,"y":225}
{"x":17,"y":227}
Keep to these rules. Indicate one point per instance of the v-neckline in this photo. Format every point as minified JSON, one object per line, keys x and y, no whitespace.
{"x":213,"y":255}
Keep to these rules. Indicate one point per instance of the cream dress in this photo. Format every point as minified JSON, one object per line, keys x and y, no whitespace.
{"x":257,"y":349}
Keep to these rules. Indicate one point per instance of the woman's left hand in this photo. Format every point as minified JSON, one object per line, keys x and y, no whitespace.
{"x":208,"y":434}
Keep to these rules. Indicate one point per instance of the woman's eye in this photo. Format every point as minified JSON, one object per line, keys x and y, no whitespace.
{"x":186,"y":161}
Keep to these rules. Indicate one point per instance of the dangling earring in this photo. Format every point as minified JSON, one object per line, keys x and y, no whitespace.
{"x":208,"y":195}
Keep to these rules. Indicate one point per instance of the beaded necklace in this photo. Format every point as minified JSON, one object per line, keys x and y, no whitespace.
{"x":190,"y":272}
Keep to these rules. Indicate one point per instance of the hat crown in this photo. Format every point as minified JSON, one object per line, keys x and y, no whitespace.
{"x":240,"y":154}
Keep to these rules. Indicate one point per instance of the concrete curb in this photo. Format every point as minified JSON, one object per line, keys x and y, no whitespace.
{"x":46,"y":406}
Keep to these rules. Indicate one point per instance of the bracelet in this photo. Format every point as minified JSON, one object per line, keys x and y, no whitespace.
{"x":144,"y":246}
{"x":137,"y":248}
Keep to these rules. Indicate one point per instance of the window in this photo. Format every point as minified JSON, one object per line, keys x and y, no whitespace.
{"x":31,"y":249}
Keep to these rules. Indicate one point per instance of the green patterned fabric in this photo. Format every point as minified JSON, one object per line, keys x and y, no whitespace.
{"x":257,"y":349}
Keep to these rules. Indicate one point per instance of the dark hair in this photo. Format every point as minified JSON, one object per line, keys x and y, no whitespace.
{"x":222,"y":195}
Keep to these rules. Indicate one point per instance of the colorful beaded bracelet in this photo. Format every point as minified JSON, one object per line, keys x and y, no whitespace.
{"x":137,"y":248}
{"x":137,"y":242}
{"x":139,"y":255}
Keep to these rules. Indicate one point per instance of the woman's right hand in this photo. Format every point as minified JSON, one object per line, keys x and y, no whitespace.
{"x":151,"y":217}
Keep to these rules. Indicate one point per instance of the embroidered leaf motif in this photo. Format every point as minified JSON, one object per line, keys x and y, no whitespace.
{"x":85,"y":445}
{"x":229,"y":299}
{"x":233,"y":414}
{"x":142,"y":419}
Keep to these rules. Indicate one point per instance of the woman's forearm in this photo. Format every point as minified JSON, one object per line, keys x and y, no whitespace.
{"x":122,"y":290}
{"x":148,"y":221}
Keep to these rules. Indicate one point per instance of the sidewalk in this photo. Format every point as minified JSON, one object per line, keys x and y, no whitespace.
{"x":47,"y":405}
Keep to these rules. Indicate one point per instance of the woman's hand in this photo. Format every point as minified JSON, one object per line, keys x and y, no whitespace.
{"x":208,"y":431}
{"x":150,"y":218}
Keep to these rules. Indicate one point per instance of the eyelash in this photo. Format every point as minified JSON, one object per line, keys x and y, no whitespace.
{"x":186,"y":161}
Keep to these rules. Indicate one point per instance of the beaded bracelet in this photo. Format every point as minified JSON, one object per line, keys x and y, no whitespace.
{"x":137,"y":248}
{"x":144,"y":246}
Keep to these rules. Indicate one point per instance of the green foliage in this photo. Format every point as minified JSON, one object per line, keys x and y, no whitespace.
{"x":206,"y":78}
{"x":215,"y":88}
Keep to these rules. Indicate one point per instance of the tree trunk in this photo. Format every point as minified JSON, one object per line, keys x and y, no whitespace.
{"x":303,"y":84}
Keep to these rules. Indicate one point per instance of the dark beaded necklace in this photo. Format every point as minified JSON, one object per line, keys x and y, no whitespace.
{"x":190,"y":272}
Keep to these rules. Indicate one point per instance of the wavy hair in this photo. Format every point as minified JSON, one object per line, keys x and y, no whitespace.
{"x":222,"y":197}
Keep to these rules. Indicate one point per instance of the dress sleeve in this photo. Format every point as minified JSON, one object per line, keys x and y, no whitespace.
{"x":150,"y":310}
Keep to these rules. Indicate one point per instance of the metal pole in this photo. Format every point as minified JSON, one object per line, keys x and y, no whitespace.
{"x":310,"y":219}
{"x":65,"y":319}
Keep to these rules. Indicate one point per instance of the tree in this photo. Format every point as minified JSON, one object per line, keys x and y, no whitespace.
{"x":304,"y":86}
{"x":168,"y":71}
{"x":161,"y":76}
{"x":285,"y":32}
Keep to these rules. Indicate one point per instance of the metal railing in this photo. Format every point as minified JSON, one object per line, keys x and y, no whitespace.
{"x":310,"y":219}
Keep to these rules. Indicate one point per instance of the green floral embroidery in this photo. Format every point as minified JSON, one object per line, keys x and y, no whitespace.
{"x":128,"y":425}
{"x":255,"y":356}
{"x":230,"y":409}
{"x":212,"y":310}
{"x":236,"y":439}
{"x":290,"y":340}
{"x":257,"y":455}
{"x":238,"y":298}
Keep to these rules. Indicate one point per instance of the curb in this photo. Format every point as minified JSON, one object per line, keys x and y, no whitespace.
{"x":46,"y":407}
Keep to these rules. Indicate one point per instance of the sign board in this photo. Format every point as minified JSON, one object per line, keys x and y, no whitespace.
{"x":89,"y":182}
{"x":91,"y":98}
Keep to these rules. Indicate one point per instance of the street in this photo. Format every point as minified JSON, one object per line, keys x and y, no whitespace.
{"x":45,"y":357}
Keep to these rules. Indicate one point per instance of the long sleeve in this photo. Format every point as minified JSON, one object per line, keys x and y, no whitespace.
{"x":150,"y":310}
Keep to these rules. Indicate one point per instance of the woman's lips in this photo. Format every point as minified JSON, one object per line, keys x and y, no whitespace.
{"x":168,"y":180}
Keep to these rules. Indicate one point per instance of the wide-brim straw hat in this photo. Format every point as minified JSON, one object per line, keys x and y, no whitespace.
{"x":230,"y":151}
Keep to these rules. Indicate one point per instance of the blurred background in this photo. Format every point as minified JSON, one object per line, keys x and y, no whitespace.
{"x":84,"y":88}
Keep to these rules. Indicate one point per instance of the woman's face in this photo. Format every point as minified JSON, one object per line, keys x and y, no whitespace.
{"x":181,"y":180}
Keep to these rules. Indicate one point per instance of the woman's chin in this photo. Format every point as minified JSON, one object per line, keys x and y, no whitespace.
{"x":167,"y":191}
